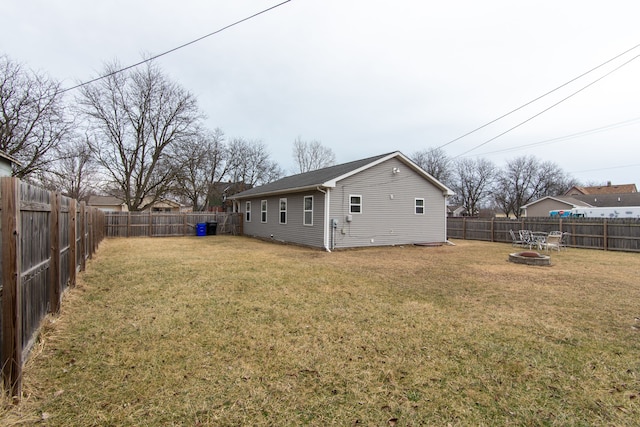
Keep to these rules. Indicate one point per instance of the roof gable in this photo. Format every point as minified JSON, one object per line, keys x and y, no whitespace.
{"x":9,"y":158}
{"x":571,"y":200}
{"x":328,"y":177}
{"x":105,"y":201}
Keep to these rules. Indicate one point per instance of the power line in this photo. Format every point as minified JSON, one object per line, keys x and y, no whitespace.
{"x":608,"y":168}
{"x":540,"y":97}
{"x":548,"y":108}
{"x":567,"y":137}
{"x":175,"y":48}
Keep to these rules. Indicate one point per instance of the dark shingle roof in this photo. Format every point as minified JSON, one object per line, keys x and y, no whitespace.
{"x":308,"y":180}
{"x":610,"y":200}
{"x":321,"y":177}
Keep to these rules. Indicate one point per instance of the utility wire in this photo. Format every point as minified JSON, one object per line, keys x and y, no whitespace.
{"x":540,"y":97}
{"x":608,"y":168}
{"x":174,"y":49}
{"x":547,"y":109}
{"x":567,"y":137}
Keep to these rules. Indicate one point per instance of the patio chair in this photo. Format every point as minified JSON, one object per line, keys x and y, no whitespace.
{"x":553,"y":241}
{"x":515,"y":241}
{"x":527,"y":238}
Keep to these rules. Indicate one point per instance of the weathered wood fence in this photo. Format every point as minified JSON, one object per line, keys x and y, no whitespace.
{"x":45,"y":240}
{"x":609,"y":234}
{"x":163,"y":224}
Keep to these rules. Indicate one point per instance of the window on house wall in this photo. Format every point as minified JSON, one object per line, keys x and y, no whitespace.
{"x":263,"y":211}
{"x":308,"y":210}
{"x":355,"y":204}
{"x":419,"y":206}
{"x":283,"y":211}
{"x":247,"y":212}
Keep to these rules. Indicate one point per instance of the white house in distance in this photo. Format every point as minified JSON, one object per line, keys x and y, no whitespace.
{"x":379,"y":201}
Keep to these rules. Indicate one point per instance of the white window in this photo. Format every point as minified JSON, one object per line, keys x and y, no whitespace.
{"x":419,"y":206}
{"x":308,"y":210}
{"x":247,"y":211}
{"x":355,"y":204}
{"x":263,"y":211}
{"x":283,"y":211}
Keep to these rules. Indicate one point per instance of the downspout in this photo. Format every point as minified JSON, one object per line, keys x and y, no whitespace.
{"x":446,"y":219}
{"x":326,"y":224}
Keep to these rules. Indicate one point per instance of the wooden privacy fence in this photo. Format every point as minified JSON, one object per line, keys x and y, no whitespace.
{"x":163,"y":224}
{"x":45,"y":240}
{"x":609,"y":234}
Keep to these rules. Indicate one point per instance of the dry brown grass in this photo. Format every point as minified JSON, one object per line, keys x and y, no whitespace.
{"x":232,"y":331}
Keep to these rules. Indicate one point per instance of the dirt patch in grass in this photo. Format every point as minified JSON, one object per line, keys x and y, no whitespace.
{"x":232,"y":331}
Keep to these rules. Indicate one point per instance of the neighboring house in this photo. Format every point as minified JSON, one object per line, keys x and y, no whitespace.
{"x":115,"y":204}
{"x":611,"y":200}
{"x":107,"y":203}
{"x":602,"y":189}
{"x":378,"y":201}
{"x":220,"y":193}
{"x":456,"y":211}
{"x":541,"y":207}
{"x":6,"y":164}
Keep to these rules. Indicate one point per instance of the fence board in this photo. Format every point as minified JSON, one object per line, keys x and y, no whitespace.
{"x":164,"y":224}
{"x":617,"y":234}
{"x":39,"y":241}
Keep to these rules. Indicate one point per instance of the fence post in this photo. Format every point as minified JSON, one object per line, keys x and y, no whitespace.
{"x":464,"y":228}
{"x":83,"y":236}
{"x":492,"y":229}
{"x":90,"y":233}
{"x":11,"y":285}
{"x":605,"y":235}
{"x":150,"y":223}
{"x":73,"y":255}
{"x":54,"y":254}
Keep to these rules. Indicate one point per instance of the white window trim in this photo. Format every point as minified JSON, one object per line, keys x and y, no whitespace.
{"x":281,"y":210}
{"x":415,"y":206}
{"x":247,"y":212}
{"x":352,"y":204}
{"x":263,"y":212}
{"x":304,"y":211}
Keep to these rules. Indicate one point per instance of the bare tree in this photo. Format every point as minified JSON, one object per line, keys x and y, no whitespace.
{"x":200,"y":164}
{"x":312,"y":155}
{"x":136,"y":116}
{"x":32,"y":116}
{"x":525,"y":179}
{"x":249,"y":162}
{"x":435,"y":162}
{"x":74,"y":173}
{"x":472,"y":182}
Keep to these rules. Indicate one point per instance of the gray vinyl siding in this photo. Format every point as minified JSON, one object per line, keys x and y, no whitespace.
{"x":541,"y":209}
{"x":294,"y":231}
{"x":388,"y":208}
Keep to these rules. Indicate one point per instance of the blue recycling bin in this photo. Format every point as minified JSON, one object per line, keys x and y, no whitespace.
{"x":201,"y":229}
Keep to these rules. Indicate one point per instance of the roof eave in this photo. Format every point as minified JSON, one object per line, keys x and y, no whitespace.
{"x":239,"y":196}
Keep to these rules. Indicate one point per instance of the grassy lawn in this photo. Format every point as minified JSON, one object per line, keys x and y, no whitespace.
{"x":230,"y":331}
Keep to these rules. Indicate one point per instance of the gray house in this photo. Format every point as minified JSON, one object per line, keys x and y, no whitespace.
{"x":378,"y":201}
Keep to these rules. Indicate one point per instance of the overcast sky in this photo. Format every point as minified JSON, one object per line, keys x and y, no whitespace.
{"x":366,"y":77}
